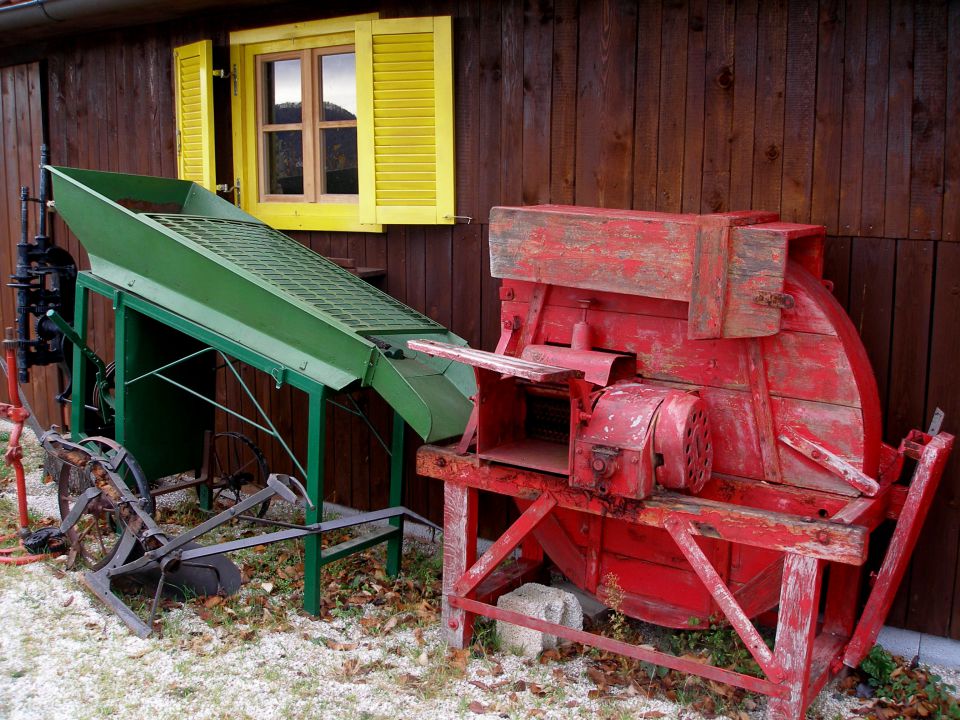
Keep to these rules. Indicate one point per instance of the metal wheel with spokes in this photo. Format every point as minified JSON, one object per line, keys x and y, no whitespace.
{"x":239,"y":468}
{"x":96,"y":534}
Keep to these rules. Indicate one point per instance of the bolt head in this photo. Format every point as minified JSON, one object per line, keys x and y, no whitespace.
{"x":452,"y":624}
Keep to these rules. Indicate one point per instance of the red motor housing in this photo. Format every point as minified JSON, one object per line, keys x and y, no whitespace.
{"x":638,"y":435}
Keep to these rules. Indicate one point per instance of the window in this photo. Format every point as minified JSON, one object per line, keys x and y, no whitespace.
{"x":307,"y":125}
{"x":340,"y":124}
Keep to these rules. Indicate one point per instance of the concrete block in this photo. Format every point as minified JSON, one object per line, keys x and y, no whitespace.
{"x":940,"y":651}
{"x":593,"y":609}
{"x":544,"y":603}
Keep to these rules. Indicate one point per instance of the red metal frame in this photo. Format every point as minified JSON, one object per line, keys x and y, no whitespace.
{"x":808,"y":650}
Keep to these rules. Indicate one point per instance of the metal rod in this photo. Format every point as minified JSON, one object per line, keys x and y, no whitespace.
{"x":296,"y":532}
{"x":367,"y":422}
{"x":217,"y":405}
{"x":264,"y":415}
{"x":169,"y":365}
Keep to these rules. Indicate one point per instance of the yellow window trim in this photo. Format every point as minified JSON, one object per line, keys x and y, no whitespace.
{"x":245,"y":45}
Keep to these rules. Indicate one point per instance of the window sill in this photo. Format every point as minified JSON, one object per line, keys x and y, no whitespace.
{"x":336,"y":217}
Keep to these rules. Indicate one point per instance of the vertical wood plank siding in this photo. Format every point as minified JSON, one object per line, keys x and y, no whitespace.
{"x":842,"y":112}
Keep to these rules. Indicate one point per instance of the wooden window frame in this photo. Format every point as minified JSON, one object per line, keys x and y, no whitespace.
{"x":248,"y":50}
{"x":310,"y":127}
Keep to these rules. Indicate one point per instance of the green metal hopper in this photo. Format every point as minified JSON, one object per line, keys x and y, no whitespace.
{"x":183,"y":248}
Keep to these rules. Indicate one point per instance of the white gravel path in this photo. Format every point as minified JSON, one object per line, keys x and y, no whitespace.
{"x":62,"y":655}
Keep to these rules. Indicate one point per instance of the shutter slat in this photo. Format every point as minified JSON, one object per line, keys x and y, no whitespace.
{"x":193,"y":69}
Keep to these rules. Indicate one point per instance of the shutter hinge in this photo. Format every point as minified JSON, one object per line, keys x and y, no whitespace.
{"x":178,"y":142}
{"x":220,"y":73}
{"x":233,"y":75}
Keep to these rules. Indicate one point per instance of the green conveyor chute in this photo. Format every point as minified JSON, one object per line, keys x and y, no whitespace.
{"x":183,"y":248}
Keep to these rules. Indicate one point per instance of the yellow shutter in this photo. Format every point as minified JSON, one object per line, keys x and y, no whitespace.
{"x":405,"y":120}
{"x":193,"y":74}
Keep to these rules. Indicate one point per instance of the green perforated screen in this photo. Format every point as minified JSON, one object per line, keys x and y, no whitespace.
{"x":295,"y":270}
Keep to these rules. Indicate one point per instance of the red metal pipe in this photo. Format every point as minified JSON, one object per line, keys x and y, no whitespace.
{"x":17,"y":413}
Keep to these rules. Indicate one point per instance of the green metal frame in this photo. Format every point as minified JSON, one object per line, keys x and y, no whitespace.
{"x":150,"y":341}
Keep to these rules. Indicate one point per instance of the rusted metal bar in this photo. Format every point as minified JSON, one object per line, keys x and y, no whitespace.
{"x":638,"y":652}
{"x":808,"y":447}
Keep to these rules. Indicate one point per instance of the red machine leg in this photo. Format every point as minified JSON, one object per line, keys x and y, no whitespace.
{"x":922,"y":489}
{"x":679,"y":530}
{"x":459,"y":553}
{"x":507,"y":542}
{"x":799,"y":601}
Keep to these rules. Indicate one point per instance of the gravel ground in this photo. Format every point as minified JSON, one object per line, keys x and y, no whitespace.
{"x":62,"y":655}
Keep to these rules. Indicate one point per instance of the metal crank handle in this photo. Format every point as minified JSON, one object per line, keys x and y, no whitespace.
{"x":281,"y":483}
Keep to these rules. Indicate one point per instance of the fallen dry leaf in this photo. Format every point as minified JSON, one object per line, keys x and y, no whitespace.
{"x":333,"y":645}
{"x":477,"y":707}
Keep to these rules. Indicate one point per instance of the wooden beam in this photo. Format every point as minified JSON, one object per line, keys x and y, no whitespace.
{"x":821,"y":539}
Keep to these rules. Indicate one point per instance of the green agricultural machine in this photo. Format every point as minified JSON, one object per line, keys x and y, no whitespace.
{"x":195,"y":284}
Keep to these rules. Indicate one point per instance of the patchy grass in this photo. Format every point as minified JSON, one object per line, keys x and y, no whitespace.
{"x":896,"y":688}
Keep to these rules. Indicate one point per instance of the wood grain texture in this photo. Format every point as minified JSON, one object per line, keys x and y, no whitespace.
{"x":771,"y":87}
{"x":828,"y":126}
{"x":605,"y":79}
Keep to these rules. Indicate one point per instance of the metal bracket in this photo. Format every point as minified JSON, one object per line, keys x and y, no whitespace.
{"x":774,"y":300}
{"x":832,"y":462}
{"x":936,"y":422}
{"x":79,"y":508}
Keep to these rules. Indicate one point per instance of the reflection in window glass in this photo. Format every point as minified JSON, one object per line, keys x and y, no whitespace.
{"x":338,"y":75}
{"x":282,"y":91}
{"x":340,"y":161}
{"x":284,"y":152}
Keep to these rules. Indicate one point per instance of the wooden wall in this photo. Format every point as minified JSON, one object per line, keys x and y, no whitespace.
{"x":21,"y":128}
{"x":836,"y":113}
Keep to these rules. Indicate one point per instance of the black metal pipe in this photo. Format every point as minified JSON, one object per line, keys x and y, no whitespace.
{"x":42,"y":239}
{"x":22,"y":282}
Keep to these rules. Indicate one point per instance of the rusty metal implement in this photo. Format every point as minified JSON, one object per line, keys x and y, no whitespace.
{"x":108,"y":523}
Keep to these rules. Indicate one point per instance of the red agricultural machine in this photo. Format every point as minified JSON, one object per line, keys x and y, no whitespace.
{"x":686,"y":417}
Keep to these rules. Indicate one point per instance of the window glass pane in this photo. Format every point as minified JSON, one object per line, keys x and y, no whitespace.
{"x":282,"y":92}
{"x":284,"y":152}
{"x":338,"y":75}
{"x":340,"y":161}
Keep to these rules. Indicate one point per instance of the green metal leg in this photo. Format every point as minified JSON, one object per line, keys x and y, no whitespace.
{"x":316,"y":446}
{"x":204,"y":498}
{"x":395,"y":545}
{"x":121,"y":326}
{"x":79,"y":379}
